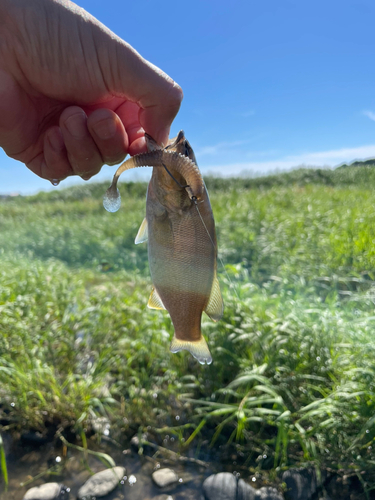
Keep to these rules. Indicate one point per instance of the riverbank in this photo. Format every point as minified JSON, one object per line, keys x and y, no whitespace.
{"x":291,"y":381}
{"x":144,"y":470}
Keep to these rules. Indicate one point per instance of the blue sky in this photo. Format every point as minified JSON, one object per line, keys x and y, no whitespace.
{"x":268,"y":85}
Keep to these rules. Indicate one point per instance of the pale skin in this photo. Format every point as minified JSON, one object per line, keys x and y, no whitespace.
{"x":73,"y":95}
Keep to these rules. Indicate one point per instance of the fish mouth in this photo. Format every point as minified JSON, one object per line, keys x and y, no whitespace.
{"x":162,"y":158}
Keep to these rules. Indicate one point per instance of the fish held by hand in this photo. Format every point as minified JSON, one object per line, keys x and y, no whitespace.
{"x":182,"y":250}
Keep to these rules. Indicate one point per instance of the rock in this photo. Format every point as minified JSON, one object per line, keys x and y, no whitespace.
{"x":245,"y":491}
{"x":48,"y":491}
{"x":102,"y":483}
{"x":268,"y":493}
{"x":163,"y":497}
{"x":301,"y":484}
{"x":164,"y":477}
{"x":222,"y":486}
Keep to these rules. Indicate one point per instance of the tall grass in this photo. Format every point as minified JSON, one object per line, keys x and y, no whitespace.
{"x":304,"y":390}
{"x":293,"y":371}
{"x":3,"y":463}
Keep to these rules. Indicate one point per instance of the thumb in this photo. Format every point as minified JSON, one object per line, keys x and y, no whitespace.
{"x":160,"y":107}
{"x":127,"y":74}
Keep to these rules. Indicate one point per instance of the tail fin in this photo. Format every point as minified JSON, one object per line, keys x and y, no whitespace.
{"x":199,"y":349}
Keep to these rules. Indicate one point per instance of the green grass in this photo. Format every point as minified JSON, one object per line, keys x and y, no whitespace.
{"x":3,"y":463}
{"x":294,"y":356}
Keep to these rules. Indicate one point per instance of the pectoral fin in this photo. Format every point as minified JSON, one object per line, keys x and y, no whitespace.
{"x":155,"y":302}
{"x":215,"y":306}
{"x":142,"y":234}
{"x":199,"y":349}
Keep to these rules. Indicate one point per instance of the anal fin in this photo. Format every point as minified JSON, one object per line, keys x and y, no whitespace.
{"x":155,"y":302}
{"x":199,"y":349}
{"x":142,"y":234}
{"x":215,"y":306}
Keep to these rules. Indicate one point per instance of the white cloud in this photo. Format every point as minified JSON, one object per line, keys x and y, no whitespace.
{"x":335,"y":156}
{"x":328,"y":159}
{"x":369,"y":114}
{"x":220,"y":147}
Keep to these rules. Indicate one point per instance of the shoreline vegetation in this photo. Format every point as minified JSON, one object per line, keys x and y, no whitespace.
{"x":293,"y":377}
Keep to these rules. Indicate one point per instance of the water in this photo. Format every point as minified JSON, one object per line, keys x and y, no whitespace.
{"x":55,"y":182}
{"x":112,"y":199}
{"x":69,"y":467}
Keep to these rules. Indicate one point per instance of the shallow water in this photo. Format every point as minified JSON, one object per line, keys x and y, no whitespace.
{"x":72,"y":470}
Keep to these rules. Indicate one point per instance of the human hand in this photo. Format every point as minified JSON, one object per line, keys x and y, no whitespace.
{"x":73,"y":95}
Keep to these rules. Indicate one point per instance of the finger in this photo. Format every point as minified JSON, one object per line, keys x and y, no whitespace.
{"x":109,"y":135}
{"x":138,"y":146}
{"x":129,"y":115}
{"x":56,"y":164}
{"x":157,"y":115}
{"x":52,"y":162}
{"x":38,"y":166}
{"x":126,"y":73}
{"x":82,"y":152}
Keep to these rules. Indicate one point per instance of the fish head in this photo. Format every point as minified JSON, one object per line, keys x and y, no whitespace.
{"x":181,"y":145}
{"x":169,"y":185}
{"x":174,"y":172}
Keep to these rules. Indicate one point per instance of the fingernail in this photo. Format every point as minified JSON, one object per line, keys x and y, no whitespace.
{"x":56,"y":140}
{"x":105,"y":129}
{"x":76,"y":125}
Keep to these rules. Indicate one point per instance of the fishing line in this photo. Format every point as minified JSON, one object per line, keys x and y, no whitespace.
{"x":176,"y":181}
{"x":231,"y":284}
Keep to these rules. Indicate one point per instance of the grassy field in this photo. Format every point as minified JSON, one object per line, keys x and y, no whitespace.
{"x":293,"y":377}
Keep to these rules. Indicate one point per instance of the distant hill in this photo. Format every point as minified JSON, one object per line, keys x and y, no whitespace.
{"x":367,"y":163}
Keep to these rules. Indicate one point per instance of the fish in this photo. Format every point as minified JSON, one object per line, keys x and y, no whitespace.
{"x":182,"y":246}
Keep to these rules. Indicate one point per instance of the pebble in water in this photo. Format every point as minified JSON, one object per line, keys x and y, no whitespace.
{"x":164,"y":477}
{"x":101,"y":483}
{"x":222,"y":486}
{"x":47,"y":491}
{"x":301,"y":483}
{"x":112,"y":199}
